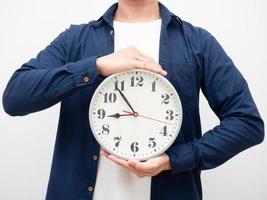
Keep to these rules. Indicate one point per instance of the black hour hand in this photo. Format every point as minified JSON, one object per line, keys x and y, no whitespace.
{"x":117,"y":115}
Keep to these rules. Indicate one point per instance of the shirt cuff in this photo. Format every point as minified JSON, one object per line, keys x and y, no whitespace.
{"x":85,"y":71}
{"x":183,"y":157}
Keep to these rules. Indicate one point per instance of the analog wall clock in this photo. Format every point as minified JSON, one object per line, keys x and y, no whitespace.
{"x":135,"y":114}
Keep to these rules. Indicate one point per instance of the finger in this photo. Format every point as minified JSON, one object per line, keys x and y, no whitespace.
{"x":144,"y":55}
{"x":154,"y":67}
{"x":145,"y":65}
{"x":120,"y":162}
{"x":141,"y":58}
{"x":150,"y":67}
{"x":157,"y":68}
{"x":147,"y":168}
{"x":104,"y":153}
{"x":140,"y":175}
{"x":138,"y":166}
{"x":134,"y":164}
{"x":141,"y":65}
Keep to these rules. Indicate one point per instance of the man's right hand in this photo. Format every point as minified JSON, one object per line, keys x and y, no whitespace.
{"x":126,"y":59}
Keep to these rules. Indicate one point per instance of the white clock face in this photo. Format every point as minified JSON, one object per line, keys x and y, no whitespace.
{"x":135,"y":114}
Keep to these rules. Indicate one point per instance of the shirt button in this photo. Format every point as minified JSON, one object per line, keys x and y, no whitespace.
{"x":95,"y":157}
{"x":90,"y":189}
{"x":86,"y":79}
{"x":111,"y":32}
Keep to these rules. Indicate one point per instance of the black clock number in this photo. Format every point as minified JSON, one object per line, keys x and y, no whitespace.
{"x":166,"y":98}
{"x":110,"y":97}
{"x":163,"y":131}
{"x":117,"y":141}
{"x":119,"y":85}
{"x":134,"y":147}
{"x":169,"y":115}
{"x":105,"y":129}
{"x":151,"y":143}
{"x":101,"y":113}
{"x":137,"y":81}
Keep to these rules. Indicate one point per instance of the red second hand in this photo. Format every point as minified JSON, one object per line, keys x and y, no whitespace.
{"x":146,"y":117}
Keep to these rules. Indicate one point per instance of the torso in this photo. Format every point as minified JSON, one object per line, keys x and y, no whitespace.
{"x":117,"y":182}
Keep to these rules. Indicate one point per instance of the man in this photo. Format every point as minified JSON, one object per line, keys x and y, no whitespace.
{"x":74,"y":64}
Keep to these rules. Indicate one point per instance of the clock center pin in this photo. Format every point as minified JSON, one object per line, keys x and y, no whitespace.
{"x":135,"y":114}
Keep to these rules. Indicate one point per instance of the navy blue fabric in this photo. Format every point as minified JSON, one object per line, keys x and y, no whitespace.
{"x":193,"y":59}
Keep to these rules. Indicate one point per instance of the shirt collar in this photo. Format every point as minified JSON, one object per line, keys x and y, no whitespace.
{"x":165,"y":14}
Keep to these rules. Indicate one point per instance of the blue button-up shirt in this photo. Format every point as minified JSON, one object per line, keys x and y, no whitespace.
{"x":65,"y":71}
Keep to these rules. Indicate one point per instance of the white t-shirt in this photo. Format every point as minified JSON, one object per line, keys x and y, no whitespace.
{"x":114,"y":182}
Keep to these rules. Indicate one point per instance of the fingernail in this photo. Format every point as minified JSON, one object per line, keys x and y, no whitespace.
{"x":165,"y":73}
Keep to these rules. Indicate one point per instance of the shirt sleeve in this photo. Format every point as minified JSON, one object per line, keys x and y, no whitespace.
{"x":43,"y":81}
{"x":229,"y":97}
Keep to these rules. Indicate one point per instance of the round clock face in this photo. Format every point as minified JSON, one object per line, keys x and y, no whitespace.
{"x":135,"y":114}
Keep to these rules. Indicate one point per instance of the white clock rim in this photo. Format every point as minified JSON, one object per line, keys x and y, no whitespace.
{"x":145,"y":157}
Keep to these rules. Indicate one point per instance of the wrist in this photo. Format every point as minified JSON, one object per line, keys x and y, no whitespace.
{"x":166,"y":162}
{"x":99,"y":65}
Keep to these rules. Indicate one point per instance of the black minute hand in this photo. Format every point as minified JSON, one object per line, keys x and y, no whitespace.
{"x":125,"y":99}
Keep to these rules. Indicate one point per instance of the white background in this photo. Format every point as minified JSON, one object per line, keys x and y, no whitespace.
{"x":26,"y":143}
